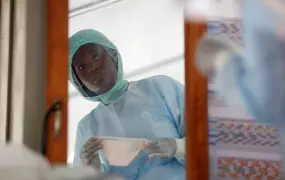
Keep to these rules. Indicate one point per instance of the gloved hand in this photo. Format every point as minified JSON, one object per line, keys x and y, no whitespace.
{"x":166,"y":147}
{"x":89,"y":153}
{"x":212,"y":54}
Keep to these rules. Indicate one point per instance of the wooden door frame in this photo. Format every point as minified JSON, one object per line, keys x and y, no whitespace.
{"x":57,"y":76}
{"x":196,"y":111}
{"x":196,"y":108}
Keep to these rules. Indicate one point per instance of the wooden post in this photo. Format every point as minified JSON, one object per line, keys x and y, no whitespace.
{"x":196,"y":108}
{"x":57,"y":75}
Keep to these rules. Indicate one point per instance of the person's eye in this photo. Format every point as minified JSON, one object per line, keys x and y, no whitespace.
{"x":96,"y":57}
{"x":81,"y":67}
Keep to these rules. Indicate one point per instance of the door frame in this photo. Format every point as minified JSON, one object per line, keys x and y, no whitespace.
{"x":196,"y":107}
{"x":57,"y":76}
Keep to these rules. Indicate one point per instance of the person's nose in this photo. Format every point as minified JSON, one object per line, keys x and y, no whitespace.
{"x":92,"y":67}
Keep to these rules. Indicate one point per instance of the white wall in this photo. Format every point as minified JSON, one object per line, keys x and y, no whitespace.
{"x":73,"y":4}
{"x":145,"y":31}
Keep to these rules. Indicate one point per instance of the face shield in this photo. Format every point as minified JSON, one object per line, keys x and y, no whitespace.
{"x":84,"y":91}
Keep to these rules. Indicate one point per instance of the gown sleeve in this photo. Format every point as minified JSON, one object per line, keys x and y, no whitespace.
{"x":172,"y":92}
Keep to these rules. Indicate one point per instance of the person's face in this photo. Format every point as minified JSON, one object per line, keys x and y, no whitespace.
{"x":95,"y":68}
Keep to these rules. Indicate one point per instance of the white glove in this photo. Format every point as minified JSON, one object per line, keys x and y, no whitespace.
{"x":89,"y":153}
{"x":165,"y":148}
{"x":212,"y":53}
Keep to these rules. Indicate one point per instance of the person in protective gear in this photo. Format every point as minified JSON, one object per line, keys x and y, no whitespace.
{"x":253,"y":77}
{"x":151,"y":108}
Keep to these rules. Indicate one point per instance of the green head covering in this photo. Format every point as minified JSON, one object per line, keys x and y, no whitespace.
{"x":92,"y":36}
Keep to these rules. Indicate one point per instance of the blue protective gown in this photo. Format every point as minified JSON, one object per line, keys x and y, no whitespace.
{"x":257,"y":76}
{"x":150,"y":108}
{"x":255,"y":79}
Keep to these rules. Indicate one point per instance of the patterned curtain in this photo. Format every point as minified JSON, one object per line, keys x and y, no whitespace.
{"x":240,"y":148}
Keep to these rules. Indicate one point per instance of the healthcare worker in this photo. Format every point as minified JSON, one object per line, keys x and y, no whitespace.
{"x":151,"y":108}
{"x":253,"y":77}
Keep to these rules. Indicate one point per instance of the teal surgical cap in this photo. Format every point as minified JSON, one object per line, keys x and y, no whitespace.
{"x":87,"y":36}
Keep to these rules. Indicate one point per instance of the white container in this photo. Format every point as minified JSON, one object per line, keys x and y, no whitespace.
{"x":121,"y":151}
